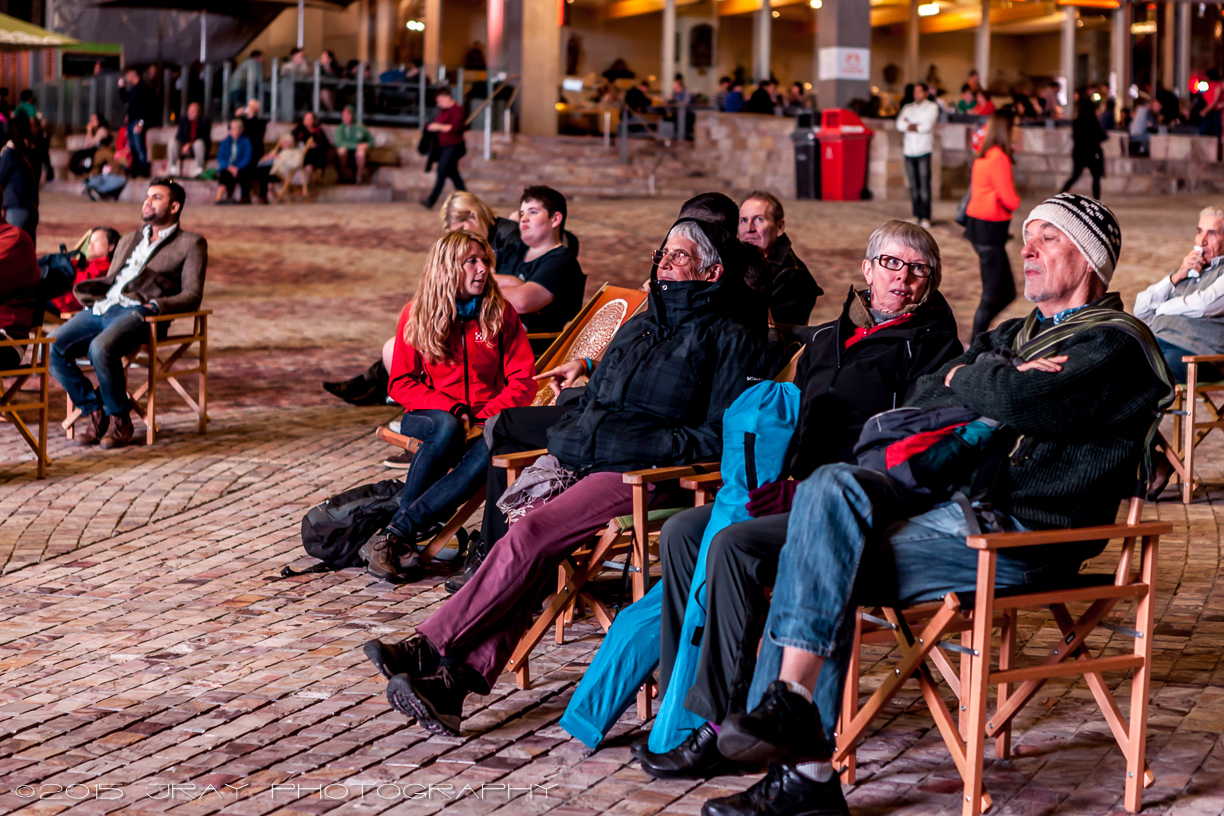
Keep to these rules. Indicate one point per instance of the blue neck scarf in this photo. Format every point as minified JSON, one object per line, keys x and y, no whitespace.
{"x":469,"y":309}
{"x":1061,"y":316}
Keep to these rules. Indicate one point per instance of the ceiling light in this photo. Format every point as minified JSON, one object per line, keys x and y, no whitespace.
{"x":416,"y":25}
{"x":815,"y":3}
{"x":777,"y":14}
{"x":1144,"y":27}
{"x":928,"y":9}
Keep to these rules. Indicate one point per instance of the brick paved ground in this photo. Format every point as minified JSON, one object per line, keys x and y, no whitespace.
{"x":145,"y":641}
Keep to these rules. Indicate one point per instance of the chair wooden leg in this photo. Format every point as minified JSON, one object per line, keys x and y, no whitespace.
{"x":561,"y":579}
{"x":641,"y":539}
{"x":1188,"y":429}
{"x":44,"y":413}
{"x":1145,"y":623}
{"x":203,"y":403}
{"x":850,"y":698}
{"x":1007,"y":650}
{"x":978,"y":687}
{"x":151,"y":411}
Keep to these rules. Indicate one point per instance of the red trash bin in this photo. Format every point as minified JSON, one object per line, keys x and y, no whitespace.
{"x":844,"y":143}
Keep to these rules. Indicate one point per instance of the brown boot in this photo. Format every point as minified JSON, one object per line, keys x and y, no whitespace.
{"x":119,"y":433}
{"x":382,"y":558}
{"x":90,"y":428}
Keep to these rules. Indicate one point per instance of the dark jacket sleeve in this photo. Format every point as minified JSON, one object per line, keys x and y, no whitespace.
{"x":1105,"y":380}
{"x":737,"y":358}
{"x":192,"y":287}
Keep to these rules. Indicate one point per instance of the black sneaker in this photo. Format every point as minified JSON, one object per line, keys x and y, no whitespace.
{"x":784,"y":727}
{"x":783,"y":792}
{"x":475,"y":558}
{"x":697,"y":757}
{"x":436,"y":702}
{"x":400,"y":461}
{"x":414,"y":655}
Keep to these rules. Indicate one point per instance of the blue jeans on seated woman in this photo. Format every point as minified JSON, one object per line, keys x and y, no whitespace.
{"x":431,"y":493}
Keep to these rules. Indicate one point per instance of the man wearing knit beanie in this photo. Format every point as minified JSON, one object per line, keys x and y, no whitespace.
{"x":1078,"y":380}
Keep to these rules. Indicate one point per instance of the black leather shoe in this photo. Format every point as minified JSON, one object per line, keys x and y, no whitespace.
{"x":474,"y":559}
{"x":695,"y":758}
{"x":784,"y":727}
{"x":783,"y":792}
{"x":414,"y":655}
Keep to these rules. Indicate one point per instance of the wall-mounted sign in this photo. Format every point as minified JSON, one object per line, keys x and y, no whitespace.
{"x":845,"y":63}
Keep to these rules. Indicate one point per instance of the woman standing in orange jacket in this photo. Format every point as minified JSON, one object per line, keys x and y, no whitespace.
{"x":992,"y":200}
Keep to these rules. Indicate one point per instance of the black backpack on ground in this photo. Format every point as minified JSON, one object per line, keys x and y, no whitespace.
{"x":335,"y":530}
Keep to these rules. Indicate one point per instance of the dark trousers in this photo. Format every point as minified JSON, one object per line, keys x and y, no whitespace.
{"x":448,"y":168}
{"x":1095,"y":168}
{"x":140,"y":153}
{"x":998,"y":285}
{"x":514,"y":431}
{"x":742,"y":561}
{"x":241,"y":180}
{"x":445,"y":472}
{"x":918,"y":172}
{"x":1173,"y":356}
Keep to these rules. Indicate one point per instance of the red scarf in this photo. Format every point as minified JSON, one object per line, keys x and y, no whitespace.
{"x":863,"y":331}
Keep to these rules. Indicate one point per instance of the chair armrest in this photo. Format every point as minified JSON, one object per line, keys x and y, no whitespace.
{"x":667,"y":474}
{"x":543,"y":335}
{"x":387,"y":435}
{"x":22,"y":342}
{"x":160,"y":318}
{"x":999,"y":541}
{"x":518,"y":460}
{"x":1203,"y":358}
{"x":704,"y":481}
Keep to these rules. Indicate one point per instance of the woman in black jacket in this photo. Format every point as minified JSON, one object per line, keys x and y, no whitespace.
{"x":1086,"y":138}
{"x":19,"y":167}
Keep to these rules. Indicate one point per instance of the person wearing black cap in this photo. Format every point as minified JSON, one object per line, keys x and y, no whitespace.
{"x":657,"y":399}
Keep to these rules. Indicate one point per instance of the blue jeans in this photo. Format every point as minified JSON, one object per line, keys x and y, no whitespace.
{"x":105,"y":341}
{"x":855,"y":540}
{"x":140,"y":154}
{"x":1173,"y":356}
{"x":431,"y":494}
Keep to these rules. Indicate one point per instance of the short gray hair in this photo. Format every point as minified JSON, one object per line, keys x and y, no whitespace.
{"x":1214,"y":210}
{"x":909,"y":235}
{"x":707,"y":255}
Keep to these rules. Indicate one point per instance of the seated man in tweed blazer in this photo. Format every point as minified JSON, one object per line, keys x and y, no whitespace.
{"x":158,"y":270}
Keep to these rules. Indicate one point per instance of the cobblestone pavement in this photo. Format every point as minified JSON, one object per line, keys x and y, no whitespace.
{"x":146,"y":644}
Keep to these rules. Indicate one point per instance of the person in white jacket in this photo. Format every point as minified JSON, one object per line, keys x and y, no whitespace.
{"x":917,"y":120}
{"x":1185,"y":309}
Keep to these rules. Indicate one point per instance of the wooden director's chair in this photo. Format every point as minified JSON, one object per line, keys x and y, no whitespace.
{"x":919,"y":633}
{"x":11,"y":409}
{"x":161,"y":359}
{"x":1188,"y":431}
{"x":587,"y":335}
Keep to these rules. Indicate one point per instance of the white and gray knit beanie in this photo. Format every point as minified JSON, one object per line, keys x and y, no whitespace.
{"x":1089,"y":224}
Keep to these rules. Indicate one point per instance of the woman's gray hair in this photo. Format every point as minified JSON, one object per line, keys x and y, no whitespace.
{"x":707,"y":255}
{"x":912,"y":236}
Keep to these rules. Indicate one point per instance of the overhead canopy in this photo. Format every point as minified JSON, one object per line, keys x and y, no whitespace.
{"x":18,"y":35}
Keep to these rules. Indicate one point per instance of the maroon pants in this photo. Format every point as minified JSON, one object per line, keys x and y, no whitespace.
{"x":484,"y":621}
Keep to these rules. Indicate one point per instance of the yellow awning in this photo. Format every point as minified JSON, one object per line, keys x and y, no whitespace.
{"x":18,"y":35}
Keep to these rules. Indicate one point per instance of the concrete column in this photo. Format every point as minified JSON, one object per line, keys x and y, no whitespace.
{"x":762,"y":29}
{"x":363,"y":31}
{"x":541,"y":68}
{"x":668,"y":66}
{"x":982,"y":46}
{"x":913,"y":68}
{"x":1120,"y":55}
{"x":1168,"y":31}
{"x":843,"y":48}
{"x":433,"y":38}
{"x":496,"y":24}
{"x":1181,"y":65}
{"x":384,"y":21}
{"x":1066,"y":60}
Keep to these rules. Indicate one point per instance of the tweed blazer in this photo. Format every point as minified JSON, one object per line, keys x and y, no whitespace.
{"x":173,"y":276}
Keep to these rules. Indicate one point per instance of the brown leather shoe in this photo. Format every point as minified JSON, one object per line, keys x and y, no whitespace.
{"x":90,"y":428}
{"x":382,"y":558}
{"x":119,"y":433}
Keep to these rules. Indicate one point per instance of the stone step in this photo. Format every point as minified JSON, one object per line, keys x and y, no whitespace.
{"x":202,"y":193}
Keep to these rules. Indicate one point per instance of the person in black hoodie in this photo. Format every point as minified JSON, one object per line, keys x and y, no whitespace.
{"x":762,"y":223}
{"x":867,"y":361}
{"x":657,"y":398}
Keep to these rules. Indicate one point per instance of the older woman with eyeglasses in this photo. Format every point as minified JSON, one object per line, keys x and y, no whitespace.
{"x":657,"y":399}
{"x":868,"y":360}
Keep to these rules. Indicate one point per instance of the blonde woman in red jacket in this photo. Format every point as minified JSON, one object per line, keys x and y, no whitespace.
{"x":461,"y":355}
{"x":992,"y":200}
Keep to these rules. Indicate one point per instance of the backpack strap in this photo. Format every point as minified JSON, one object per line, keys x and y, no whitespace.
{"x":322,"y":566}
